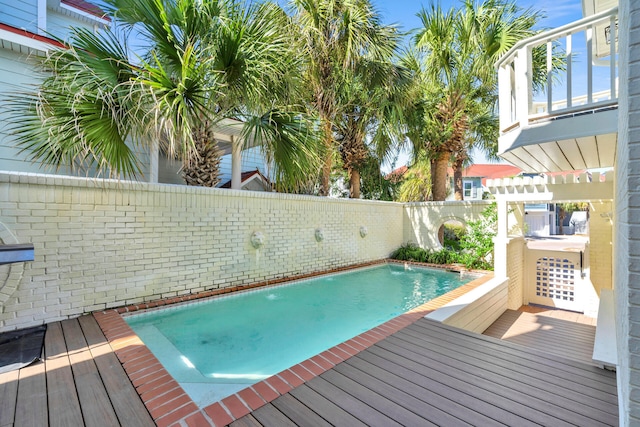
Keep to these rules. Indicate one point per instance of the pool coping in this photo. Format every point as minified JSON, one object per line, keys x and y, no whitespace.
{"x":169,"y":404}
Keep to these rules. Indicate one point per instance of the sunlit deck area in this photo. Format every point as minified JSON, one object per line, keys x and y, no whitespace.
{"x":562,"y":333}
{"x":425,"y":373}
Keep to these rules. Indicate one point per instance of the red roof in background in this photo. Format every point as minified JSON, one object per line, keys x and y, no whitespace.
{"x":244,"y":177}
{"x":87,"y":7}
{"x":397,"y":174}
{"x":31,"y":35}
{"x":490,"y":171}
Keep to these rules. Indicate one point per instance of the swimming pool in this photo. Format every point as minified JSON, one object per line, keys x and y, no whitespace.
{"x":217,"y":347}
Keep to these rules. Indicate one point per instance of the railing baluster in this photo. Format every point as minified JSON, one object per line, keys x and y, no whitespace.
{"x":589,"y":36}
{"x":504,"y":93}
{"x":569,"y":73}
{"x":613,"y":36}
{"x":549,"y":77}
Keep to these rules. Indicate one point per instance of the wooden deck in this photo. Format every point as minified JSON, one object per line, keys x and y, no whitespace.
{"x":423,"y":374}
{"x":80,"y":382}
{"x":558,"y":332}
{"x":432,"y":374}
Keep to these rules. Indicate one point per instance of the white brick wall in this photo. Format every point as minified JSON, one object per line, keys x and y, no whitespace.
{"x":107,"y":244}
{"x":421,"y":219}
{"x":626,"y":224}
{"x":515,"y":272}
{"x":600,"y":244}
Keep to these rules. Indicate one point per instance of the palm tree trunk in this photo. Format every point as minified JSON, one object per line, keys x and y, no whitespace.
{"x":354,"y":183}
{"x":439,"y":174}
{"x":458,"y":167}
{"x":328,"y":158}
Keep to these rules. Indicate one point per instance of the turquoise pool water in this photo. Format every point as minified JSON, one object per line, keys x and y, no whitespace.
{"x":215,"y":348}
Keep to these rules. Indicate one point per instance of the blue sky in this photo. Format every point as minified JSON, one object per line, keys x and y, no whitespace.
{"x":403,"y":12}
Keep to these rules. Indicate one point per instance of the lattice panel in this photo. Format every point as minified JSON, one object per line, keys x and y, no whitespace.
{"x":555,"y":278}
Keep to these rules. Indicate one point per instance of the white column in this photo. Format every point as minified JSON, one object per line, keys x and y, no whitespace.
{"x":523,"y":86}
{"x":236,"y":164}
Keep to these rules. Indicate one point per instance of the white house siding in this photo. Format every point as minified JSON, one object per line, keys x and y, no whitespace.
{"x":59,"y":24}
{"x":20,"y":14}
{"x":105,"y":244}
{"x":18,"y":74}
{"x":627,"y":215}
{"x":169,"y":171}
{"x":15,"y":75}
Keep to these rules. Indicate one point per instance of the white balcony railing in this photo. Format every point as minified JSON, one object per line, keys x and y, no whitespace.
{"x":586,"y":79}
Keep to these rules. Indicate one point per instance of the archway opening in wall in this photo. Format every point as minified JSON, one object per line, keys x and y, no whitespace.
{"x":450,"y":234}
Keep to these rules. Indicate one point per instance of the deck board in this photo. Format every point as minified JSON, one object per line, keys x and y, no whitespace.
{"x":31,"y":404}
{"x":492,"y":361}
{"x":300,"y":414}
{"x":557,"y":371}
{"x":433,"y":393}
{"x":559,"y":332}
{"x":363,"y":412}
{"x":402,"y":393}
{"x":546,"y":388}
{"x":433,"y":374}
{"x":361,"y":388}
{"x":8,"y":397}
{"x":80,"y":382}
{"x":62,"y":398}
{"x":269,"y":416}
{"x":94,"y":399}
{"x":126,"y":403}
{"x":331,"y":412}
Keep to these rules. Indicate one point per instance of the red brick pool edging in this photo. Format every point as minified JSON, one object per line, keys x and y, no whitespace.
{"x":169,"y":404}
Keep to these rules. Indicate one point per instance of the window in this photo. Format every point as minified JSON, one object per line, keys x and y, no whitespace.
{"x":468,"y":187}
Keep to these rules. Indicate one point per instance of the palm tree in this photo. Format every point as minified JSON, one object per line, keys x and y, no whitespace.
{"x":369,"y":108}
{"x":456,"y":53}
{"x":199,"y":63}
{"x":416,"y":183}
{"x":333,"y":36}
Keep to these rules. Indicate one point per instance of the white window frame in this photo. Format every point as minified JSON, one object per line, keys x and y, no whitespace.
{"x":469,"y":189}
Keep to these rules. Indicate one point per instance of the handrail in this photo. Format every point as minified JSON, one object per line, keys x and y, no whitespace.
{"x":549,"y":35}
{"x":597,"y":36}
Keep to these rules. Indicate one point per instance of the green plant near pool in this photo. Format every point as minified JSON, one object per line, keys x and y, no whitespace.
{"x":412,"y":252}
{"x":475,"y":246}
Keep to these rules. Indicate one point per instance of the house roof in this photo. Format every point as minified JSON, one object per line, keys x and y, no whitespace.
{"x":87,"y":7}
{"x":397,"y":174}
{"x":246,"y":176}
{"x":491,"y":171}
{"x":16,"y":38}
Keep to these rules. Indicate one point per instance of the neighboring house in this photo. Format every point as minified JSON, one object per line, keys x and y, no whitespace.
{"x":474,"y":178}
{"x":27,"y":28}
{"x":252,"y":181}
{"x":586,"y":131}
{"x":253,"y":159}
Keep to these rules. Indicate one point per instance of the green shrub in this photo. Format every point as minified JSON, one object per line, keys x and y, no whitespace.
{"x":475,"y":248}
{"x":453,"y":233}
{"x":411,"y":252}
{"x":477,"y":244}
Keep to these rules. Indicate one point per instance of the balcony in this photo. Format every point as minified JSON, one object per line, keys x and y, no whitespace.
{"x":564,"y":116}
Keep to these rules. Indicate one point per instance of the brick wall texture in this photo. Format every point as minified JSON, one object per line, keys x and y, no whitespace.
{"x":626,"y":274}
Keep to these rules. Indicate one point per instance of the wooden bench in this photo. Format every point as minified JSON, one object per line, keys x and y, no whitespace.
{"x":605,"y":351}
